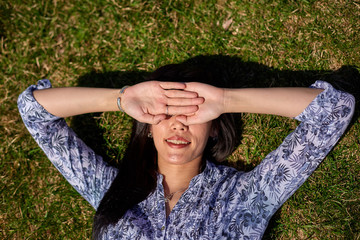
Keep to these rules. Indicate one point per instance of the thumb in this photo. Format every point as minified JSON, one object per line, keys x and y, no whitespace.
{"x":152,"y":119}
{"x":188,"y":120}
{"x":158,"y":118}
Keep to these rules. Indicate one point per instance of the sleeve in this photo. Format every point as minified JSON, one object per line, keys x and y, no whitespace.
{"x":285,"y":169}
{"x":82,"y":168}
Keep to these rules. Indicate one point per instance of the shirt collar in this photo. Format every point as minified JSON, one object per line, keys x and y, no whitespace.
{"x":198,"y":183}
{"x":209,"y":172}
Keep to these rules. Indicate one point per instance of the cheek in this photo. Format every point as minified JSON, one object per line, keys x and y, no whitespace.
{"x":156,"y":132}
{"x":156,"y":140}
{"x":202,"y":140}
{"x":203,"y":133}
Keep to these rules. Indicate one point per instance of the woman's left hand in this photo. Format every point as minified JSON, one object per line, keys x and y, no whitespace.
{"x":212,"y":108}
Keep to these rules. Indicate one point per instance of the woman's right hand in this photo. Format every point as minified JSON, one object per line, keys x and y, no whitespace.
{"x":151,"y":101}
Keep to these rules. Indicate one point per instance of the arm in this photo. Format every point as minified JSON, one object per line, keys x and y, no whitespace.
{"x":324,"y":113}
{"x":278,"y":101}
{"x":80,"y":165}
{"x":288,"y":102}
{"x":146,"y":102}
{"x":82,"y":168}
{"x":286,"y":168}
{"x":71,"y":101}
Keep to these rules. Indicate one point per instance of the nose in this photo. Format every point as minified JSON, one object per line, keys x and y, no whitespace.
{"x":177,"y":126}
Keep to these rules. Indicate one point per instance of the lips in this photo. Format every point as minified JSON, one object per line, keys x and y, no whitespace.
{"x":177,"y":142}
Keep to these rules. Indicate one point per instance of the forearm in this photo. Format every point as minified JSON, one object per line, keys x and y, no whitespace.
{"x":65,"y":102}
{"x":288,"y":102}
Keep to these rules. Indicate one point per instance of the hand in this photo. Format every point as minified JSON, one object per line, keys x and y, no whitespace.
{"x":212,"y":108}
{"x":150,"y":101}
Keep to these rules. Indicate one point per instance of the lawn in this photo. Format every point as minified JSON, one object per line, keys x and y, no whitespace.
{"x":111,"y":43}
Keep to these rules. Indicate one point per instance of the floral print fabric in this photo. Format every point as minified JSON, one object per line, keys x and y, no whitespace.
{"x":221,"y":202}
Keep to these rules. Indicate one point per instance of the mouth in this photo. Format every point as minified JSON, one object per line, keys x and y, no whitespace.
{"x":177,"y":142}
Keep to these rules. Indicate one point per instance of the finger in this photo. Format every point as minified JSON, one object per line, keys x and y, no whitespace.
{"x":180,"y":94}
{"x":182,"y":119}
{"x":158,"y":118}
{"x":185,"y":101}
{"x":192,"y":86}
{"x":152,"y":119}
{"x":188,"y":120}
{"x":172,"y":85}
{"x":182,"y":110}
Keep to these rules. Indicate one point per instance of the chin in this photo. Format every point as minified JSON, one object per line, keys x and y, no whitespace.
{"x":181,"y":160}
{"x":177,"y":161}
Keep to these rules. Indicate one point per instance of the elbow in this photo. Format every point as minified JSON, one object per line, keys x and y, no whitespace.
{"x":343,"y":111}
{"x":347,"y":107}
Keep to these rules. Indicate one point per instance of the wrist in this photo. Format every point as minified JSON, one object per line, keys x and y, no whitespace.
{"x":235,"y":100}
{"x":227,"y":96}
{"x":120,"y":99}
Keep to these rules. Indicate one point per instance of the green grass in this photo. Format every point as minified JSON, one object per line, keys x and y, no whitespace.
{"x":113,"y":43}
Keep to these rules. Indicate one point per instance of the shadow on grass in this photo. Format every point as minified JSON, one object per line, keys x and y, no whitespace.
{"x":226,"y":72}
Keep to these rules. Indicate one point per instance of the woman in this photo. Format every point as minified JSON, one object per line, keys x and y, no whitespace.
{"x":168,"y":185}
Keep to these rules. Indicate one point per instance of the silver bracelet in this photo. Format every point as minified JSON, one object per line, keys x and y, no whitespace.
{"x":119,"y":98}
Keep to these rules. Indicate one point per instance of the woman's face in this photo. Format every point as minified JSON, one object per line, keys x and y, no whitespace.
{"x":180,"y":144}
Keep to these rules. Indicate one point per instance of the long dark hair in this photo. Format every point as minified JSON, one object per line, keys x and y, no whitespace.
{"x":137,"y":174}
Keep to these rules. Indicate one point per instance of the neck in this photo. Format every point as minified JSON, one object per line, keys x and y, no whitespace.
{"x":178,"y":177}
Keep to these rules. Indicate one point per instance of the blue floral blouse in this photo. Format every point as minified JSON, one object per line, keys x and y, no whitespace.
{"x":221,"y":202}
